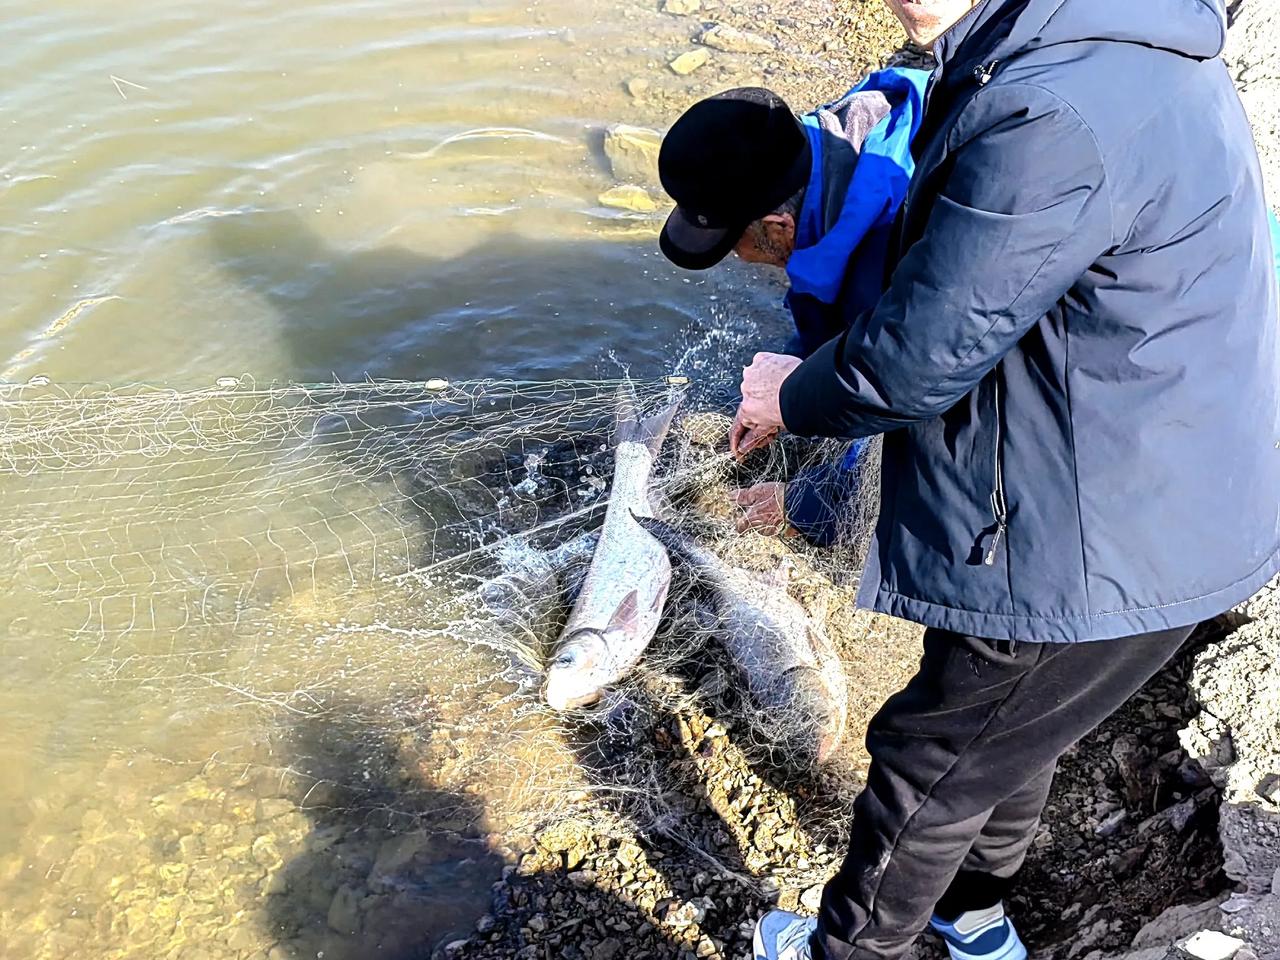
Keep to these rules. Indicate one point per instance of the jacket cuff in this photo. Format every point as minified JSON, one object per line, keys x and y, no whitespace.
{"x":813,"y":395}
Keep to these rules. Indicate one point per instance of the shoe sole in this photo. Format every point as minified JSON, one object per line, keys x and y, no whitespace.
{"x":757,"y":945}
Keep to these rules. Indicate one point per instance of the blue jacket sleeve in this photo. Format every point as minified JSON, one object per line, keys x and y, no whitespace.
{"x":820,"y":501}
{"x":1023,"y":213}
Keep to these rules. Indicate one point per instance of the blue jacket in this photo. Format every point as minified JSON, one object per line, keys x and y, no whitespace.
{"x":1076,"y":361}
{"x":850,"y":204}
{"x":842,"y":238}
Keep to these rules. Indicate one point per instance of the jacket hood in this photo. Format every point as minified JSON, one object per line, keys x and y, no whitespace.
{"x":999,"y":29}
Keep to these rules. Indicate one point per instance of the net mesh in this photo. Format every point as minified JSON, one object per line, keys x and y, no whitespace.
{"x":357,"y":587}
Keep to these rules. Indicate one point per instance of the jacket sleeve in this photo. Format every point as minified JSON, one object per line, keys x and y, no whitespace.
{"x":1022,"y":214}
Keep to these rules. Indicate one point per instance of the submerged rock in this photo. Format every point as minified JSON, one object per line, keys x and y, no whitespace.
{"x":732,"y":40}
{"x":688,"y":62}
{"x":629,"y":197}
{"x":633,"y":153}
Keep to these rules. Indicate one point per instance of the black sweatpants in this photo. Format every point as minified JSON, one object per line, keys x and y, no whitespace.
{"x":962,"y":759}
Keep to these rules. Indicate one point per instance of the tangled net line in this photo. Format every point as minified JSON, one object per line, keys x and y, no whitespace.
{"x":301,"y":568}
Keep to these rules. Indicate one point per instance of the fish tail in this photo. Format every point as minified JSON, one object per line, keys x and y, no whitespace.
{"x":650,"y":431}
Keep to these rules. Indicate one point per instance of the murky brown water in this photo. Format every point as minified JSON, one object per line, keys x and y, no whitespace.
{"x":225,"y":729}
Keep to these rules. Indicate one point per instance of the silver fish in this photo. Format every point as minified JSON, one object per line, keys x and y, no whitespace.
{"x":794,"y":680}
{"x":622,"y":599}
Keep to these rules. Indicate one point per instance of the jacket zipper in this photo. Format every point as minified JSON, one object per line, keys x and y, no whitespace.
{"x":983,"y":72}
{"x":999,"y":506}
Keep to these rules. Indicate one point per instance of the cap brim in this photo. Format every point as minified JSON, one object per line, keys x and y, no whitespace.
{"x":692,"y":247}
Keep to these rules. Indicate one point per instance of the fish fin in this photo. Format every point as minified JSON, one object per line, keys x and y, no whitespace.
{"x":650,"y":431}
{"x":627,"y":616}
{"x":660,"y":600}
{"x":660,"y":530}
{"x":683,"y":548}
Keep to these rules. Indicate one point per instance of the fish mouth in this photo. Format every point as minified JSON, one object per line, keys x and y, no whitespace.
{"x":569,"y":674}
{"x":561,"y":704}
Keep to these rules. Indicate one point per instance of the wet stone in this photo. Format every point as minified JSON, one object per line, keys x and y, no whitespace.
{"x":270,"y":809}
{"x":732,"y":40}
{"x":344,"y":911}
{"x":1210,"y":945}
{"x":629,"y":197}
{"x":633,"y":153}
{"x":688,"y":62}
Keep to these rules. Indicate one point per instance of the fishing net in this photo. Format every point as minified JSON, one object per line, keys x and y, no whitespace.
{"x":353,"y":590}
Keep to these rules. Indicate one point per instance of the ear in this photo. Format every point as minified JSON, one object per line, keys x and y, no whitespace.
{"x":780,"y":225}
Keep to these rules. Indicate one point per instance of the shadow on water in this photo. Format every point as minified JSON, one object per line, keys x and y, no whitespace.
{"x":392,"y":866}
{"x":511,"y":307}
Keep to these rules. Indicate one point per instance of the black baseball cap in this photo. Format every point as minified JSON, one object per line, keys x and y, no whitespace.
{"x":728,"y":161}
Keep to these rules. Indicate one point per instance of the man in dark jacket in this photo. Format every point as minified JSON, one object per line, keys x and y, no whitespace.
{"x":1075,"y":367}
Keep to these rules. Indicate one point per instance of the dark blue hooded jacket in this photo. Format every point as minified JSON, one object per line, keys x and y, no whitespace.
{"x":1075,"y":362}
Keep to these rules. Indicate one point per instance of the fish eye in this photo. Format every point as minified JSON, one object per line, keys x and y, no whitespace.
{"x":565,"y":659}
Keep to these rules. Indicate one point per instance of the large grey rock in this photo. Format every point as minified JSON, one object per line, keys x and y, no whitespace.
{"x":633,"y":153}
{"x":1178,"y":922}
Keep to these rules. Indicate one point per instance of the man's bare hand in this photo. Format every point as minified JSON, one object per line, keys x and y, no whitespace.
{"x":760,"y":412}
{"x":763,"y":509}
{"x":743,"y":439}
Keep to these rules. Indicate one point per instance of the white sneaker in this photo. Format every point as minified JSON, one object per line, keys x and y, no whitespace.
{"x":981,"y":935}
{"x":783,"y":936}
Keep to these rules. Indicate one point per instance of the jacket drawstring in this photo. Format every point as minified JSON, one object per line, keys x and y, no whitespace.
{"x":999,"y":507}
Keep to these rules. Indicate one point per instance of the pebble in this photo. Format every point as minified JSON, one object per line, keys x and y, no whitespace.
{"x":1112,"y":823}
{"x":637,"y":87}
{"x":269,"y":809}
{"x":688,"y":62}
{"x":681,"y":8}
{"x":811,"y":899}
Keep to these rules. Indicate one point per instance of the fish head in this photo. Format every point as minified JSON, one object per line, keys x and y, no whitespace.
{"x":576,"y":674}
{"x":814,"y":718}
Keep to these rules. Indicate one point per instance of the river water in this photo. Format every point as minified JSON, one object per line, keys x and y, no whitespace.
{"x":225,"y":730}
